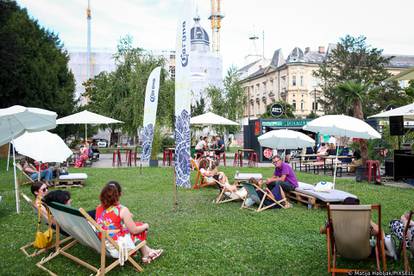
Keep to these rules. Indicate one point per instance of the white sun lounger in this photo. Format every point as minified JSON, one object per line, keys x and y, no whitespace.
{"x":71,"y":179}
{"x":305,"y":193}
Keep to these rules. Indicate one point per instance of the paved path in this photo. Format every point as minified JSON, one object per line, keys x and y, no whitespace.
{"x":105,"y":161}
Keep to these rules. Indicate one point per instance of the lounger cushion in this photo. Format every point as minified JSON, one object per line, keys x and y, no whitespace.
{"x":73,"y":176}
{"x":247,"y":176}
{"x":331,"y":196}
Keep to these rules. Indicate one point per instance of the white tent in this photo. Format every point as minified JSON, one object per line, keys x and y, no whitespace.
{"x":42,"y":146}
{"x":86,"y":117}
{"x":15,"y":120}
{"x":210,"y":118}
{"x":407,"y":111}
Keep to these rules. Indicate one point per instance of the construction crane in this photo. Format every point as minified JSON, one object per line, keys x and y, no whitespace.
{"x":215,"y":18}
{"x":88,"y":45}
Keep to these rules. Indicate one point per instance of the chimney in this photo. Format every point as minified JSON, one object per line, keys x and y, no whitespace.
{"x":321,"y":49}
{"x":307,"y":50}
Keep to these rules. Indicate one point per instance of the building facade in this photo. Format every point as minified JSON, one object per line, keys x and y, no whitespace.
{"x":291,"y":80}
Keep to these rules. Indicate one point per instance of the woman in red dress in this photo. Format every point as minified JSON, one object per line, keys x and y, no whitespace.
{"x":111,"y":215}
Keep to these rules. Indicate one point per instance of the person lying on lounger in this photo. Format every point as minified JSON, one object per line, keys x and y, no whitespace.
{"x":46,"y":174}
{"x":209,"y":170}
{"x":111,"y":215}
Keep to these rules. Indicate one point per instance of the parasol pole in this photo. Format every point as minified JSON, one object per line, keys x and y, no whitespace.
{"x":86,"y":132}
{"x":335,"y":166}
{"x":175,"y":203}
{"x":16,"y":185}
{"x":8,"y":157}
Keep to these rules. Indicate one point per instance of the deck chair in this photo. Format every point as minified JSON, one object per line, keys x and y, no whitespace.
{"x":200,"y":180}
{"x":28,"y":179}
{"x":404,"y":245}
{"x":226,"y":196}
{"x":29,"y":246}
{"x":84,"y":230}
{"x":348,"y":235}
{"x":252,"y":189}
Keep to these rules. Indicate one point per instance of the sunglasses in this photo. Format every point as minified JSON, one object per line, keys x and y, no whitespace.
{"x":44,"y":189}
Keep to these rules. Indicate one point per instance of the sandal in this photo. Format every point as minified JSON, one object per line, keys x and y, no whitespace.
{"x":146,"y":260}
{"x":155,"y":254}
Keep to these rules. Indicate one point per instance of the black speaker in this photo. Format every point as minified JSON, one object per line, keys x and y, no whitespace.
{"x":396,"y":125}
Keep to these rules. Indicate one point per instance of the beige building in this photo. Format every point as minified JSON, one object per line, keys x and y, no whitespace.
{"x":292,"y":80}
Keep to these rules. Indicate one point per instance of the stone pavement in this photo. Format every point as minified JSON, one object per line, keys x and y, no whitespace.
{"x":105,"y":161}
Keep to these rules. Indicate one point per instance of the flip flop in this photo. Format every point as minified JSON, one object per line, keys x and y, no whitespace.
{"x":155,"y":254}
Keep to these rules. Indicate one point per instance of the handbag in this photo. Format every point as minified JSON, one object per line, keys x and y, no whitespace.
{"x":43,"y":239}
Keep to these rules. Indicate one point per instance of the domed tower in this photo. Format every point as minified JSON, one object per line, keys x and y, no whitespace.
{"x":296,"y":55}
{"x":199,"y":37}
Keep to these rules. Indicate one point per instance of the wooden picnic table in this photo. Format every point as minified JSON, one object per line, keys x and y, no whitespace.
{"x":332,"y":158}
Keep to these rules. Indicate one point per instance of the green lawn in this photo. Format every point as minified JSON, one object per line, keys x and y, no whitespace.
{"x":200,"y":237}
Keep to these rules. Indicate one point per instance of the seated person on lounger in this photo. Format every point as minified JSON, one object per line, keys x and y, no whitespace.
{"x":111,"y":215}
{"x":83,"y":157}
{"x":209,"y":170}
{"x":46,"y":175}
{"x":353,"y":201}
{"x":397,"y":227}
{"x":283,"y":177}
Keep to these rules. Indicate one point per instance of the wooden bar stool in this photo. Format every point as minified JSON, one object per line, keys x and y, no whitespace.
{"x":373,"y":168}
{"x":224,"y":157}
{"x":236,"y":159}
{"x":253,"y":160}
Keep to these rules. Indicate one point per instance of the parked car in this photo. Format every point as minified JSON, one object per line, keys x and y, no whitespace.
{"x":102,"y":143}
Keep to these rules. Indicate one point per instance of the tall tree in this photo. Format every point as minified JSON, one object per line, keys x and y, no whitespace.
{"x":355,"y":94}
{"x":228,"y":102}
{"x":34,"y":66}
{"x":354,"y":60}
{"x":198,"y":108}
{"x":121,"y":93}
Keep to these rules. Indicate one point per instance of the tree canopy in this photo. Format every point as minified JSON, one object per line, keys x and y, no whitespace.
{"x":121,"y":94}
{"x":353,"y":60}
{"x":34,"y":66}
{"x":230,"y":101}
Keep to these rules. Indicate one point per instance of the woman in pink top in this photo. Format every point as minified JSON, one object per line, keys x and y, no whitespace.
{"x":111,"y":215}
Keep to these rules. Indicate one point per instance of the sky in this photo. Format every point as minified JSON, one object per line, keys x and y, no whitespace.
{"x":286,"y":24}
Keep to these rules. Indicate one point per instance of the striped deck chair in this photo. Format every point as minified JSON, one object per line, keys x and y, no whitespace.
{"x":348,"y":235}
{"x":35,"y":251}
{"x":29,"y":180}
{"x":201,"y":180}
{"x":252,"y":189}
{"x":84,"y":230}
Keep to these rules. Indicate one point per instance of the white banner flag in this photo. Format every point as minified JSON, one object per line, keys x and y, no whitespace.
{"x":183,"y":98}
{"x":150,"y":113}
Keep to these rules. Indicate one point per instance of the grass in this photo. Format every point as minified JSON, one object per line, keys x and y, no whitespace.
{"x":199,"y":238}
